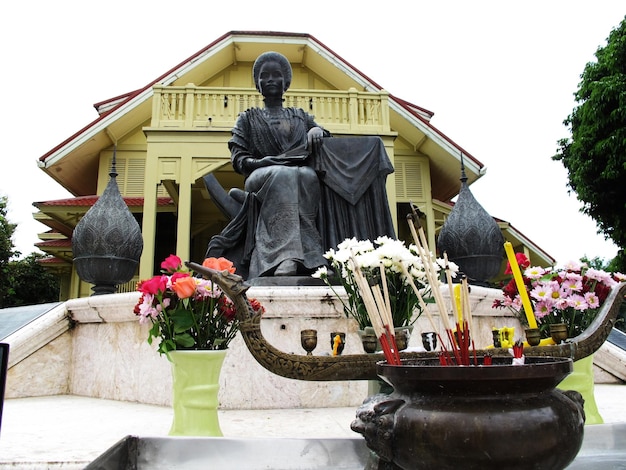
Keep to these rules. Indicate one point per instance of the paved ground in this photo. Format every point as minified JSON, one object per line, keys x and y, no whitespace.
{"x":68,"y":432}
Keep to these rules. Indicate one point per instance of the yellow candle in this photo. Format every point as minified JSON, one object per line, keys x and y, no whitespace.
{"x":457,"y":301}
{"x":336,"y":343}
{"x":521,"y":287}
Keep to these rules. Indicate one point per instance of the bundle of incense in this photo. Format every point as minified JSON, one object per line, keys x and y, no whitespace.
{"x":379,"y":315}
{"x":518,"y":353}
{"x":387,"y":308}
{"x":425,"y":309}
{"x":431,"y":275}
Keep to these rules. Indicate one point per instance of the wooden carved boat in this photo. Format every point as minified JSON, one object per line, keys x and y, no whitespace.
{"x":363,"y":366}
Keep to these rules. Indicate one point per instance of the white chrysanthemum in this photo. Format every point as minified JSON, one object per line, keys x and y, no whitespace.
{"x":368,"y":260}
{"x":322,"y":272}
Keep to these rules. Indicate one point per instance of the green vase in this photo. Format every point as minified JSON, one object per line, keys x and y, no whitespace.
{"x":195,"y":387}
{"x":581,"y":380}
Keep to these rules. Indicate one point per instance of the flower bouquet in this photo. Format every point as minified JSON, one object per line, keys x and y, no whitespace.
{"x":572,"y":294}
{"x":187,"y":312}
{"x":395,"y":259}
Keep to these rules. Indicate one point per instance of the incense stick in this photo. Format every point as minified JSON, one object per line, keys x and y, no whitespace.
{"x":375,"y":308}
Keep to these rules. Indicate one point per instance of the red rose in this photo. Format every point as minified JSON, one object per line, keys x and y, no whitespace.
{"x":177,"y":275}
{"x":153,"y":286}
{"x":171,"y":264}
{"x":522,"y":261}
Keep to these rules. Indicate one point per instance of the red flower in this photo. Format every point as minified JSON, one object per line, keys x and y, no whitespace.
{"x":510,"y":290}
{"x":522,"y":261}
{"x":256,"y":305}
{"x":154,"y":285}
{"x":136,"y":309}
{"x":219,"y":264}
{"x":171,"y":264}
{"x":227,"y":307}
{"x":177,"y":275}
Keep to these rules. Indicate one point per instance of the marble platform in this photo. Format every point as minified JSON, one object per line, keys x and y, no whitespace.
{"x":95,"y":347}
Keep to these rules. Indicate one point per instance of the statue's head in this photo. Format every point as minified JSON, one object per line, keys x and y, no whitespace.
{"x":272,"y":57}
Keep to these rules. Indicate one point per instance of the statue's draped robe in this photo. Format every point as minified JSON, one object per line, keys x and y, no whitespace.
{"x":282,"y":204}
{"x":353,"y":172}
{"x":287,"y":213}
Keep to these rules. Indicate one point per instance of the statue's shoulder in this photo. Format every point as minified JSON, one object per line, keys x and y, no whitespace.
{"x":250,"y":112}
{"x":245,"y":118}
{"x":297,"y":111}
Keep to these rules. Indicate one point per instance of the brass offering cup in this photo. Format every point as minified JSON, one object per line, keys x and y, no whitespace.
{"x":308,"y":339}
{"x":533,"y":336}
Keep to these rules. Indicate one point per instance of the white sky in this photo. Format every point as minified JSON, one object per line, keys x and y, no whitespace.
{"x":499,"y":76}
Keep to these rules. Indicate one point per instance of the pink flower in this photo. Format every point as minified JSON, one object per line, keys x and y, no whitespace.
{"x":592,"y":300}
{"x":577,"y":302}
{"x":573,"y":283}
{"x":206,"y":289}
{"x":171,"y":264}
{"x":534,"y":272}
{"x":541,"y":292}
{"x":601,"y":276}
{"x":542,"y":309}
{"x":145,"y":309}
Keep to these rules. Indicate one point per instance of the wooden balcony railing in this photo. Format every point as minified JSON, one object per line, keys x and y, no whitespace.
{"x":193,"y":107}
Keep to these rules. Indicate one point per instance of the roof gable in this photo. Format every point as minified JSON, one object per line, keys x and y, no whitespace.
{"x":73,"y":163}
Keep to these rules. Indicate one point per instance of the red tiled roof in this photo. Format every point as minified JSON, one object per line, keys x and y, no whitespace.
{"x":64,"y":243}
{"x":51,"y":260}
{"x":87,"y":201}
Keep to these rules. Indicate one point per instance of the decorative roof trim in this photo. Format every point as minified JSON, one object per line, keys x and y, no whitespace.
{"x":85,"y":201}
{"x":134,"y":98}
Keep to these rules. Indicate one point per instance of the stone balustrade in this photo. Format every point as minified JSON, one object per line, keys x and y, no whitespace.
{"x":206,"y":108}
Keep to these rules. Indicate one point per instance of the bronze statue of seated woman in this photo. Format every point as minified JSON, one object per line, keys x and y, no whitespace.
{"x":302,"y":192}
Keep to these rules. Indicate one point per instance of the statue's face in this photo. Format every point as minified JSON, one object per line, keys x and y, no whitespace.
{"x":271,"y":80}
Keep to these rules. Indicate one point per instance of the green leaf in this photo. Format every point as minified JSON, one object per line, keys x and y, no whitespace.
{"x":182,"y":320}
{"x":185,"y":340}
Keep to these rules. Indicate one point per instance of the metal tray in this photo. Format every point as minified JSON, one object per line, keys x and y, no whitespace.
{"x":604,"y":448}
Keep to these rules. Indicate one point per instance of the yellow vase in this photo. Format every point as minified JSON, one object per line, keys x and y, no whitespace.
{"x":581,"y":380}
{"x":195,"y":387}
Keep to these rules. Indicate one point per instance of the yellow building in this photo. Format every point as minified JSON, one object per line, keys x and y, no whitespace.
{"x":173,"y":131}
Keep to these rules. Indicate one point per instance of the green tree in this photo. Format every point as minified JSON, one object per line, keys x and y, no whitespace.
{"x":22,"y":281}
{"x":595,"y":154}
{"x":30,"y":283}
{"x":7,"y":251}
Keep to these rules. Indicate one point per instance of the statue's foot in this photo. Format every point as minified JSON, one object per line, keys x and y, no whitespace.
{"x":288,"y":267}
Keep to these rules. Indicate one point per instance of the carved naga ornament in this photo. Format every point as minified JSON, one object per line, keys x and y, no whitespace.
{"x":363,"y":366}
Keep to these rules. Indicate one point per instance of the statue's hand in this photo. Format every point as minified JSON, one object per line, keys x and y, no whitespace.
{"x":314,"y":138}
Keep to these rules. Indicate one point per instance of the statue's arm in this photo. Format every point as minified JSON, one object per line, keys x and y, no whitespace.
{"x":315,"y":134}
{"x":242,"y":155}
